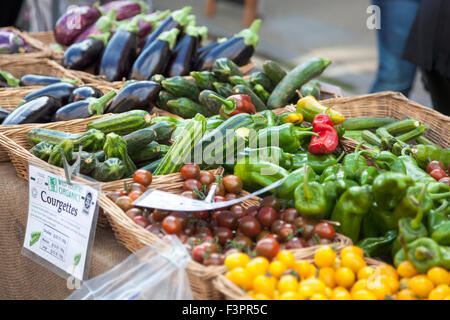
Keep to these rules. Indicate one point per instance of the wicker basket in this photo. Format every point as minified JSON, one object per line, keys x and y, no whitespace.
{"x":47,"y":38}
{"x":38,"y":49}
{"x":230,"y":291}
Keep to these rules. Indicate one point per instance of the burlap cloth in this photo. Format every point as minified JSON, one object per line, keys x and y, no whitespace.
{"x":21,"y":278}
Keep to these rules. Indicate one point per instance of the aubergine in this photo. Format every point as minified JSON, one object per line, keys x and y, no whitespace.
{"x":178,"y":19}
{"x":210,"y":46}
{"x":39,"y":80}
{"x":120,"y":52}
{"x":183,"y":56}
{"x":85,"y":53}
{"x":61,"y":91}
{"x":125,"y":9}
{"x":139,"y":95}
{"x":239,"y":48}
{"x":3,"y":114}
{"x":84,"y":92}
{"x":83,"y":108}
{"x":154,"y":58}
{"x":8,"y":80}
{"x":38,"y":110}
{"x":103,"y":25}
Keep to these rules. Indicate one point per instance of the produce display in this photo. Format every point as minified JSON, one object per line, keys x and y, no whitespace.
{"x":121,"y":40}
{"x":333,"y":276}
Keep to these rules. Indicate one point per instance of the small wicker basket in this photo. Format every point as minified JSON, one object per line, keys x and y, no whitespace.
{"x":47,"y":38}
{"x":38,"y":49}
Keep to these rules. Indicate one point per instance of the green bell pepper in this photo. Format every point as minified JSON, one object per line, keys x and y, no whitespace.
{"x":270,"y":116}
{"x":386,"y":160}
{"x":378,"y":246}
{"x":334,"y":172}
{"x":286,"y":190}
{"x":424,"y":254}
{"x":445,"y":257}
{"x":353,"y":161}
{"x":287,"y":136}
{"x":371,"y":226}
{"x":389,"y":188}
{"x":414,"y":171}
{"x":255,"y":175}
{"x":439,"y":225}
{"x":366,"y":175}
{"x":416,"y":200}
{"x":350,"y":210}
{"x":317,"y":162}
{"x":271,"y":154}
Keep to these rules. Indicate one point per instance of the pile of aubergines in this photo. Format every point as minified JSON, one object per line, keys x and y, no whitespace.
{"x":140,"y":46}
{"x":63,"y":101}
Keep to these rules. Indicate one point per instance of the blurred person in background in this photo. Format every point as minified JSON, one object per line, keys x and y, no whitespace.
{"x":394,"y":73}
{"x":9,"y":13}
{"x":428,"y":46}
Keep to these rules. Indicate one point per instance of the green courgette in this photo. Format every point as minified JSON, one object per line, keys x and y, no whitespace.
{"x":139,"y":138}
{"x":116,"y":147}
{"x":311,"y":88}
{"x":259,"y":105}
{"x":55,"y":157}
{"x":224,"y":89}
{"x":163,"y":130}
{"x":297,"y":77}
{"x":274,"y":71}
{"x":54,"y":137}
{"x":122,"y":123}
{"x":88,"y":162}
{"x":181,"y":87}
{"x":211,"y":104}
{"x":262,"y":79}
{"x":186,"y":108}
{"x":152,"y":166}
{"x":110,"y":170}
{"x":402,"y":126}
{"x":363,"y":123}
{"x":42,"y":150}
{"x":148,"y":152}
{"x":163,"y":98}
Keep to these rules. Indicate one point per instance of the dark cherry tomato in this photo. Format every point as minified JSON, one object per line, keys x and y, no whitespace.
{"x":189,"y":194}
{"x":146,"y":213}
{"x":230,"y":251}
{"x":133,"y":212}
{"x":154,"y":228}
{"x":199,"y":252}
{"x":219,"y":199}
{"x":203,"y":232}
{"x":231,"y":196}
{"x":287,"y":231}
{"x":438,"y":174}
{"x":238,"y":211}
{"x":137,"y":187}
{"x":276,"y":226}
{"x":206,"y":178}
{"x":274,"y":237}
{"x":202,"y":215}
{"x":223,"y":234}
{"x":189,"y":230}
{"x":171,"y":225}
{"x":307,"y":230}
{"x":262,"y":235}
{"x":249,"y":226}
{"x":324,"y":230}
{"x":220,"y":189}
{"x":226,"y":219}
{"x":124,"y":203}
{"x":289,"y":215}
{"x":214,"y":259}
{"x":267,"y":215}
{"x":432,"y":165}
{"x":159,"y":215}
{"x":243,"y":242}
{"x":296,"y":243}
{"x":190,"y":171}
{"x":140,"y":220}
{"x":135,"y":194}
{"x":267,"y":248}
{"x":445,"y":180}
{"x":114,"y":195}
{"x":271,"y":201}
{"x":191,"y":185}
{"x":182,"y":216}
{"x":232,"y":183}
{"x":252,"y":211}
{"x":143,"y":177}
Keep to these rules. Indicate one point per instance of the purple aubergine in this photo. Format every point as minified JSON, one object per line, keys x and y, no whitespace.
{"x":239,"y":48}
{"x":39,"y":80}
{"x":155,"y":58}
{"x":84,"y":92}
{"x":125,"y":9}
{"x":120,"y":53}
{"x":3,"y":114}
{"x":70,"y":25}
{"x":137,"y":95}
{"x":178,"y":19}
{"x":83,"y":108}
{"x":11,"y":43}
{"x":83,"y":54}
{"x":103,"y":25}
{"x":38,"y":110}
{"x":184,"y":54}
{"x":61,"y":91}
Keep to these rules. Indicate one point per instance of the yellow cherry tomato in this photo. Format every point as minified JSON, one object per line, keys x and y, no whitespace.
{"x":236,"y":260}
{"x":336,"y":263}
{"x":365,"y":272}
{"x":287,"y":283}
{"x":318,"y":296}
{"x":257,"y":266}
{"x":420,"y":285}
{"x":276,"y":295}
{"x":242,"y":278}
{"x":379,"y":288}
{"x":263,"y":284}
{"x":305,"y":291}
{"x":327,"y":276}
{"x":404,"y":283}
{"x":344,"y":277}
{"x":439,"y":276}
{"x":328,"y":292}
{"x":228,"y":275}
{"x":352,"y":261}
{"x":406,"y":269}
{"x":304,"y":269}
{"x":439,"y":293}
{"x":324,"y":257}
{"x":387,"y":270}
{"x":261,"y":296}
{"x":340,"y":293}
{"x":406,"y":294}
{"x":290,"y":295}
{"x":287,"y":258}
{"x":359,"y":285}
{"x":277,"y":268}
{"x":317,"y":285}
{"x":352,"y":249}
{"x":363,"y":295}
{"x":447,"y":297}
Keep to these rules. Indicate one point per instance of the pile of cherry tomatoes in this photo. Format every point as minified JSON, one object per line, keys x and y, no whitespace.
{"x":437,"y":170}
{"x":211,"y":236}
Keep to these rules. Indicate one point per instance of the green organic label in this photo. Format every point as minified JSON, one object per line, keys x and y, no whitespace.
{"x":34,"y":237}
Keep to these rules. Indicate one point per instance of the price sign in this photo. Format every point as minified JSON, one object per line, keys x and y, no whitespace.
{"x":61,"y":217}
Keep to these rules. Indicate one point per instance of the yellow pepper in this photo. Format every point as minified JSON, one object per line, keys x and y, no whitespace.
{"x":309,"y":107}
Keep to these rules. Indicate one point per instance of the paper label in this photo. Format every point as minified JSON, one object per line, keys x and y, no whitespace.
{"x":60,"y":218}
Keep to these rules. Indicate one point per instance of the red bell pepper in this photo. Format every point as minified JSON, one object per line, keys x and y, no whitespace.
{"x":327,"y":140}
{"x":235,"y":104}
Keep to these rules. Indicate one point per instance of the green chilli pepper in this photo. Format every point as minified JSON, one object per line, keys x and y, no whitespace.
{"x":389,"y":188}
{"x":317,"y":162}
{"x":386,"y":160}
{"x":259,"y":174}
{"x":378,"y":246}
{"x":439,"y":224}
{"x":287,"y":136}
{"x":353,"y":161}
{"x":286,"y":190}
{"x":334,"y":172}
{"x":366,"y":175}
{"x":269,"y":154}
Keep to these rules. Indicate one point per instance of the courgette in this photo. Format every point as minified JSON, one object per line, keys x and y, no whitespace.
{"x":152,"y":166}
{"x":259,"y":105}
{"x":91,"y":140}
{"x":110,"y":170}
{"x":186,"y":108}
{"x":116,"y":147}
{"x":224,"y":89}
{"x":163,"y":98}
{"x":42,"y":150}
{"x":55,"y":157}
{"x":371,"y":138}
{"x":54,"y":137}
{"x":262,"y":79}
{"x":148,"y":152}
{"x":204,"y":79}
{"x":285,"y":90}
{"x":139,"y":138}
{"x":180,"y":151}
{"x":163,"y":130}
{"x":274,"y":71}
{"x":413,"y":134}
{"x":363,"y":123}
{"x":122,"y":123}
{"x":181,"y":87}
{"x":211,"y":104}
{"x":88,"y":162}
{"x":402,"y":126}
{"x":311,"y":88}
{"x":223,"y":68}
